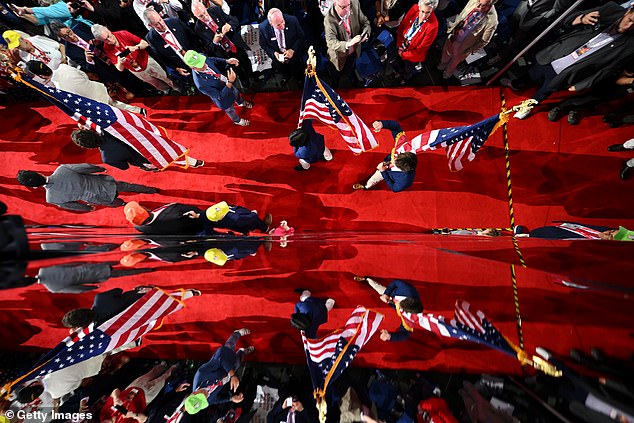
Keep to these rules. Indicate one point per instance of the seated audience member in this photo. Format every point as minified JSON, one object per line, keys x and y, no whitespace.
{"x":78,"y":187}
{"x":170,"y":219}
{"x":170,"y":39}
{"x":73,"y":80}
{"x":37,"y":47}
{"x":403,"y":297}
{"x":389,"y":13}
{"x":308,"y":146}
{"x":600,"y":93}
{"x":127,"y":51}
{"x":282,"y":39}
{"x":310,"y":313}
{"x":626,"y":170}
{"x":237,"y":218}
{"x":346,"y":27}
{"x":598,"y":44}
{"x":215,"y":78}
{"x":130,"y":404}
{"x":398,"y":171}
{"x":212,"y":378}
{"x":472,"y":30}
{"x":61,"y":11}
{"x":415,"y":35}
{"x":113,"y":152}
{"x":221,"y":37}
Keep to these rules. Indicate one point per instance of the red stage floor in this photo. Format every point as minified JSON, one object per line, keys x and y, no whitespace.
{"x":559,"y":172}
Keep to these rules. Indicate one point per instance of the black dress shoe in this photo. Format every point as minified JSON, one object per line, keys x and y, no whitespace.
{"x":626,"y":172}
{"x":299,"y":168}
{"x":617,"y":147}
{"x":573,"y":117}
{"x":553,"y":114}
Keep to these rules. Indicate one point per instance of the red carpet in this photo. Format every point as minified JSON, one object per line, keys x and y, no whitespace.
{"x":559,"y":172}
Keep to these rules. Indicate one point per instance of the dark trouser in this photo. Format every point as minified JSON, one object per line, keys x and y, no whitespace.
{"x":241,"y":219}
{"x":128,"y":187}
{"x":599,"y":94}
{"x":231,"y":344}
{"x":117,"y":273}
{"x":544,"y":74}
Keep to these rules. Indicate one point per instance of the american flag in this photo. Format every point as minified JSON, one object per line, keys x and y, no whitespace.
{"x":328,"y":357}
{"x":321,"y":102}
{"x":127,"y":326}
{"x":130,"y":128}
{"x":460,"y":141}
{"x":465,"y":325}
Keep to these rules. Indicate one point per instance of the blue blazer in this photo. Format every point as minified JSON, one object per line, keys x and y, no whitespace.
{"x":118,"y":154}
{"x":402,"y":289}
{"x":398,"y":180}
{"x":223,"y":361}
{"x":316,"y":309}
{"x":220,"y":18}
{"x":166,"y":55}
{"x":223,"y":96}
{"x":293,"y":35}
{"x":313,"y":151}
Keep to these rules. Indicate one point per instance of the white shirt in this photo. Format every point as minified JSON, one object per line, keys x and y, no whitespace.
{"x":69,"y":378}
{"x":76,"y":81}
{"x":46,"y":51}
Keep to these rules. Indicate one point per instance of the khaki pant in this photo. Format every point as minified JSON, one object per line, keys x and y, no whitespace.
{"x":154,"y":75}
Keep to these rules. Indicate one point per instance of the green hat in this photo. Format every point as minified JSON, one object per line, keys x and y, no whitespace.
{"x":623,"y":234}
{"x":196,"y":402}
{"x":12,"y":38}
{"x":194,"y":59}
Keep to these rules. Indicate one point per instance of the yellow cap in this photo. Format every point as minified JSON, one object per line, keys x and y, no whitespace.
{"x":12,"y":38}
{"x":216,"y":256}
{"x":217,"y":211}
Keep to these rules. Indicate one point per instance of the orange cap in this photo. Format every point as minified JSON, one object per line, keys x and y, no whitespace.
{"x":133,"y":244}
{"x":135,"y":213}
{"x":132,"y":259}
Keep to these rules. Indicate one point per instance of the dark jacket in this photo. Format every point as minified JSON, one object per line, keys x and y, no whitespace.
{"x":164,"y":53}
{"x":213,"y":87}
{"x":313,"y":151}
{"x":120,"y":155}
{"x":223,"y":361}
{"x":402,"y":289}
{"x":293,"y":36}
{"x":171,"y":220}
{"x":597,"y":66}
{"x":220,"y":18}
{"x":110,"y":303}
{"x":316,"y":309}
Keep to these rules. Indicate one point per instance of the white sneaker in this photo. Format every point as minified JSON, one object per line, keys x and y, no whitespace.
{"x":330,"y":303}
{"x":305,"y":294}
{"x":327,"y":154}
{"x":243,"y":122}
{"x":304,"y":164}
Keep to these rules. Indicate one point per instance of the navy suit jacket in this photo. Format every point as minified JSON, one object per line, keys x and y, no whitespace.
{"x":166,"y":55}
{"x":220,"y":18}
{"x":118,"y":154}
{"x":213,"y":87}
{"x":171,"y":221}
{"x":108,"y":304}
{"x":293,"y":36}
{"x":402,"y":289}
{"x":398,"y":180}
{"x":77,"y":54}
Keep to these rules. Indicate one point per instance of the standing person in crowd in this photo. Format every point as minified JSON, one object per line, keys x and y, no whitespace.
{"x":127,"y":51}
{"x":215,"y":78}
{"x":398,"y":171}
{"x":212,"y":377}
{"x":598,"y":46}
{"x":403,"y":297}
{"x":472,"y":30}
{"x":308,"y":146}
{"x":37,"y":47}
{"x":282,"y":38}
{"x":73,"y":80}
{"x":130,"y":404}
{"x":165,"y":8}
{"x":346,"y":27}
{"x":221,"y":37}
{"x":170,"y":39}
{"x":237,"y":218}
{"x":414,"y":36}
{"x":79,"y":187}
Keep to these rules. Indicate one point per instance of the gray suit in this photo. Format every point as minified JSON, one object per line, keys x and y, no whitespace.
{"x":71,"y":183}
{"x":74,"y":278}
{"x":336,"y":35}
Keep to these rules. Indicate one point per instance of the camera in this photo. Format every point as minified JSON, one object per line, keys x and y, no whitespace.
{"x":77,"y":4}
{"x":123,"y":53}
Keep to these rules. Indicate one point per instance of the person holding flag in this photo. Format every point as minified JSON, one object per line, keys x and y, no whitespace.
{"x":403,"y":297}
{"x":397,"y":170}
{"x":210,"y":79}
